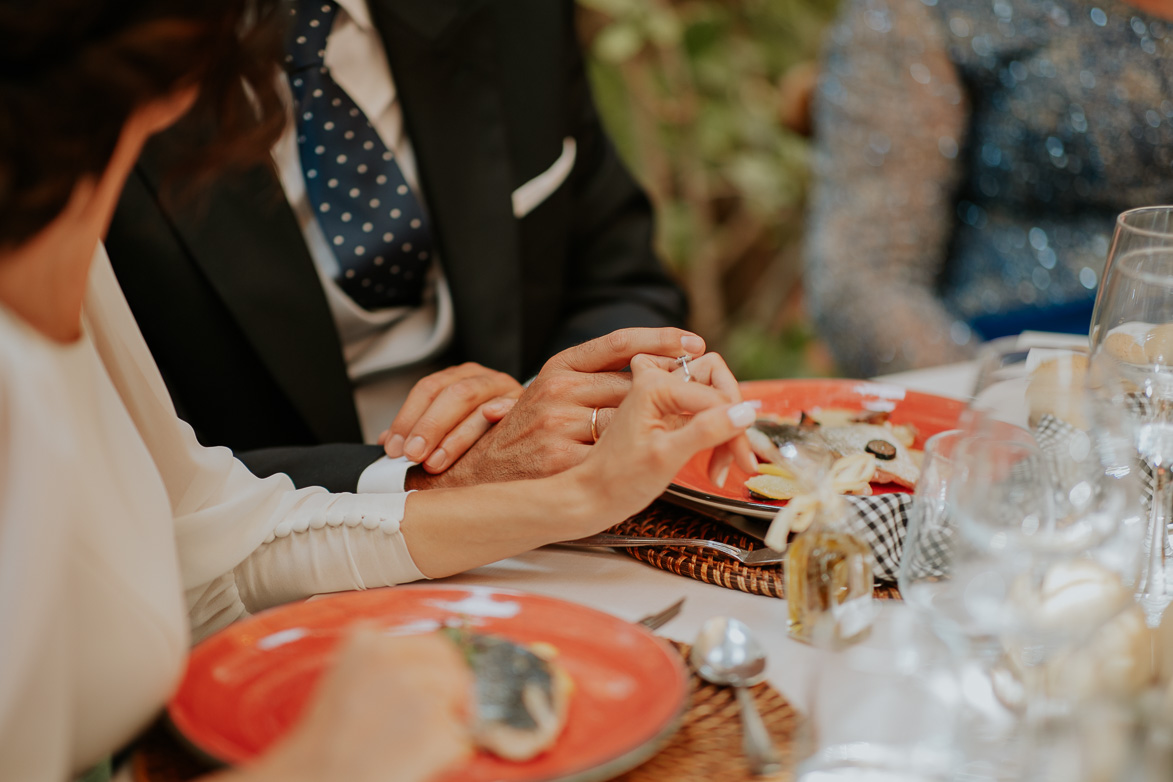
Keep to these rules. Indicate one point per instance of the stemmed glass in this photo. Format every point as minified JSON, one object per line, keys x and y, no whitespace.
{"x":1050,"y":480}
{"x":940,"y":572}
{"x":1048,"y":505}
{"x":1132,"y":332}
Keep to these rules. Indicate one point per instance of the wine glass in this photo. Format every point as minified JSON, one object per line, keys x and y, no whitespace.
{"x":1049,"y":473}
{"x":1138,"y":232}
{"x":1039,"y":482}
{"x":1132,"y":332}
{"x":937,"y":561}
{"x":1048,"y":495}
{"x":882,"y":708}
{"x":940,"y":573}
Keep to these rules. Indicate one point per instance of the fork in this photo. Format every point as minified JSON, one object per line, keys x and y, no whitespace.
{"x":657,"y":620}
{"x":757,"y":558}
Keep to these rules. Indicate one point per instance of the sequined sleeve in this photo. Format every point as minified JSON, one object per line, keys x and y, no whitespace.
{"x":890,"y":118}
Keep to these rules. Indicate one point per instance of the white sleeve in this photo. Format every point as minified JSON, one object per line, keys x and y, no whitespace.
{"x":35,"y":674}
{"x":244,"y":543}
{"x":385,"y":476}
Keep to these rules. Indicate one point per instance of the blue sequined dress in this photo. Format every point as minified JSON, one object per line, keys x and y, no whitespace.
{"x":971,"y":157}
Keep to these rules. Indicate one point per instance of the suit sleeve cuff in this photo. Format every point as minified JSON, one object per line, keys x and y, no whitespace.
{"x":384,"y":476}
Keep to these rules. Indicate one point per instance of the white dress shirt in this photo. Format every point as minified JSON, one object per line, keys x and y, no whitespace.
{"x":386,"y":351}
{"x":100,"y":578}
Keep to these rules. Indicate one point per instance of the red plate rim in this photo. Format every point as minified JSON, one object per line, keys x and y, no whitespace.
{"x":651,"y":728}
{"x":931,"y":413}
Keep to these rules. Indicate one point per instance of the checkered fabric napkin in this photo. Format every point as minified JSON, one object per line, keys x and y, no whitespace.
{"x":1053,"y":433}
{"x":880,"y":521}
{"x":1140,"y":407}
{"x":884,"y":527}
{"x":931,"y":553}
{"x":933,"y":545}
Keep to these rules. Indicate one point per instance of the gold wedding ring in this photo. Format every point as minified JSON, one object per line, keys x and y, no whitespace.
{"x":595,"y":425}
{"x":683,"y":362}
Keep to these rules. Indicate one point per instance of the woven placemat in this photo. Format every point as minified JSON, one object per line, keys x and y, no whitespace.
{"x":667,"y":521}
{"x":706,"y":748}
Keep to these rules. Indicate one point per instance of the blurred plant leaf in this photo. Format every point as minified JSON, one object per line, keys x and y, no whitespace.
{"x":618,"y":42}
{"x":691,"y":92}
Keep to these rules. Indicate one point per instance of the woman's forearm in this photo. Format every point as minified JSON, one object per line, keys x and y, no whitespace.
{"x":452,"y":530}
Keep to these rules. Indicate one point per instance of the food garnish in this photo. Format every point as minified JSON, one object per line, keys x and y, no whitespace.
{"x":522,"y":694}
{"x":841,"y":433}
{"x":881,"y":449}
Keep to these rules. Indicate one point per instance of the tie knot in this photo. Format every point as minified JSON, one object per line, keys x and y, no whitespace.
{"x":311,"y":22}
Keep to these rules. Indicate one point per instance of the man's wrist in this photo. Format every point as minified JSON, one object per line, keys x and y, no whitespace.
{"x":417,"y":479}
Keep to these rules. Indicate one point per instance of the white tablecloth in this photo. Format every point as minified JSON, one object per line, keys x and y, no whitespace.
{"x":616,"y":583}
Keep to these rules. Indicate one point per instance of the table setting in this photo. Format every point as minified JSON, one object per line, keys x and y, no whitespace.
{"x":1000,"y":614}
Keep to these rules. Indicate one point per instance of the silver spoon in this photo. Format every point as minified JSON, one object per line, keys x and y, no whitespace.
{"x":726,"y":653}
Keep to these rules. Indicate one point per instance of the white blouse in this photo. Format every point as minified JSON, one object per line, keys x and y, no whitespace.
{"x":98,"y":573}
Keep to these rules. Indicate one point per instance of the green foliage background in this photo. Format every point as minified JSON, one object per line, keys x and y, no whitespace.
{"x":705,"y":100}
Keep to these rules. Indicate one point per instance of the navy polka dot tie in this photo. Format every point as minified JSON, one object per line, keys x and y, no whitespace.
{"x":368,"y":213}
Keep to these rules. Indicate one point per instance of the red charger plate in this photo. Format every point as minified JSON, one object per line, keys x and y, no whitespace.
{"x":928,"y":413}
{"x":246,"y":686}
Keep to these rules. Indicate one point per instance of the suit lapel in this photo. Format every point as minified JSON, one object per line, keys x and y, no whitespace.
{"x":447,"y":71}
{"x":430,"y":19}
{"x":247,"y":242}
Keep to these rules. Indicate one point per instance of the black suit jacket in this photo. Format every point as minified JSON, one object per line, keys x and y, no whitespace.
{"x":228,"y":297}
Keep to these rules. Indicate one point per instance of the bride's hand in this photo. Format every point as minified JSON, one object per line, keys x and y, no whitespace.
{"x":661,"y":424}
{"x":391,"y":709}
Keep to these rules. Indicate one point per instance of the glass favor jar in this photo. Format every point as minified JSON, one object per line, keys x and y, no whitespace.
{"x":829,"y":577}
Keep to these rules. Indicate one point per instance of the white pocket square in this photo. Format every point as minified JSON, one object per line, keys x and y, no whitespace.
{"x":527,"y":197}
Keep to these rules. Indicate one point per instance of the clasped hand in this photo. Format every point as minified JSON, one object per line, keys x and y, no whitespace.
{"x":468,"y":424}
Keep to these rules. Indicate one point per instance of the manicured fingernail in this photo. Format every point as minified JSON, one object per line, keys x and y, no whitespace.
{"x":723,"y":476}
{"x":692,"y":344}
{"x":394,"y":446}
{"x":415,"y":448}
{"x":437,"y":459}
{"x":742,"y":414}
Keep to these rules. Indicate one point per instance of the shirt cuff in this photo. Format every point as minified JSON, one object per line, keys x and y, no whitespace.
{"x":385,"y":476}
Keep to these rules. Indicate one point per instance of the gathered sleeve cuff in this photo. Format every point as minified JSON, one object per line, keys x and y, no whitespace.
{"x":243,"y":543}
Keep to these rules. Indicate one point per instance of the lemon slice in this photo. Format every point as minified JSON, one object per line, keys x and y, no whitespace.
{"x":774,"y":487}
{"x":769,"y":468}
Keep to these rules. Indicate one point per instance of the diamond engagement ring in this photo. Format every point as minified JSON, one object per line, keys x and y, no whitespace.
{"x":683,"y":362}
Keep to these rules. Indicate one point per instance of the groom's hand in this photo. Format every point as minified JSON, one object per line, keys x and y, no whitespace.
{"x":548,"y":429}
{"x":442,"y":416}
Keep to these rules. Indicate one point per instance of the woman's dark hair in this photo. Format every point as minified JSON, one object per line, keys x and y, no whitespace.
{"x":73,"y":71}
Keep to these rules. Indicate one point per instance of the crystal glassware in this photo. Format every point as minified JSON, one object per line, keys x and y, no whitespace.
{"x":882,"y":708}
{"x":1050,"y":495}
{"x":1132,"y":331}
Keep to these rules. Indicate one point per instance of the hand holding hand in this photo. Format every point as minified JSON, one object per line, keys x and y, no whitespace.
{"x":660,"y":426}
{"x":442,"y":417}
{"x":548,"y":429}
{"x":390,"y":709}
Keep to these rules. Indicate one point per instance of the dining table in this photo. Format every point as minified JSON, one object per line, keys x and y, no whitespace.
{"x":610,"y":581}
